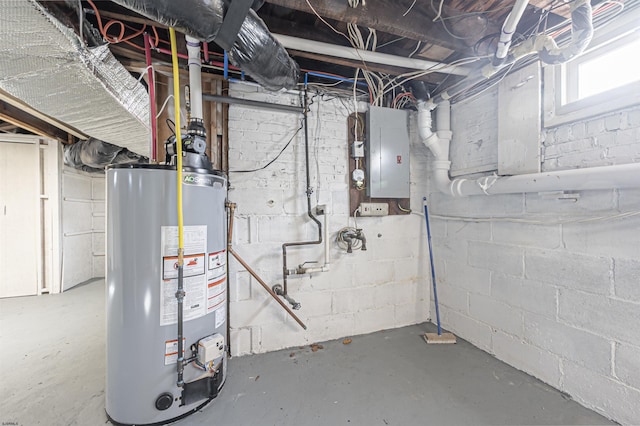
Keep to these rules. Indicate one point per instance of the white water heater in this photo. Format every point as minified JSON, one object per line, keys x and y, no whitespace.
{"x":142,"y":310}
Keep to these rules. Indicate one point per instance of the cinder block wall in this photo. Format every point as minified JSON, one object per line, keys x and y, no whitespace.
{"x":558,"y":299}
{"x":381,"y":288}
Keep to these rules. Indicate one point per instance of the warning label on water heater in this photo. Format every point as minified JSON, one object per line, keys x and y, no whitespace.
{"x":194,"y":276}
{"x":171,"y":351}
{"x":217,"y":286}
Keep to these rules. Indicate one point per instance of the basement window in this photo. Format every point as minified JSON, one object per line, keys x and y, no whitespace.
{"x":607,"y":71}
{"x":603,"y":79}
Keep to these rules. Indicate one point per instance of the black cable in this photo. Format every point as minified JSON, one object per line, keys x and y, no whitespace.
{"x":274,"y":159}
{"x":171,"y":125}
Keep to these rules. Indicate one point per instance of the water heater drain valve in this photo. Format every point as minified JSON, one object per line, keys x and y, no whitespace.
{"x":210,"y":348}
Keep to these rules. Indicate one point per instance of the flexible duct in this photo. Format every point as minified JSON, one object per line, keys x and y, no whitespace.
{"x":606,"y":177}
{"x":93,"y":155}
{"x":255,"y":50}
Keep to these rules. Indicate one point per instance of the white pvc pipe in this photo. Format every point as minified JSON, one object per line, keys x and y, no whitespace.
{"x":195,"y":77}
{"x":592,"y":178}
{"x":605,"y":177}
{"x":345,"y":52}
{"x":327,"y":254}
{"x":509,"y":27}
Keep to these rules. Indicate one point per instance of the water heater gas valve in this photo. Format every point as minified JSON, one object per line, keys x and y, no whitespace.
{"x":210,"y":348}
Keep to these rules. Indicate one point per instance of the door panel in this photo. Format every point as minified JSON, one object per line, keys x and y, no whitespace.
{"x":19,"y":218}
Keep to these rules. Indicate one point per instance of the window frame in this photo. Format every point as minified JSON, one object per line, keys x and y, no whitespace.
{"x":561,"y":83}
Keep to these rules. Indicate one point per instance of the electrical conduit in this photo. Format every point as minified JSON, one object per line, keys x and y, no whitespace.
{"x":180,"y":292}
{"x":593,"y":178}
{"x":152,"y":98}
{"x":309,"y":191}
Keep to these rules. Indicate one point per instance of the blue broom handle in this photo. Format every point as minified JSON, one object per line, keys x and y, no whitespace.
{"x":433,"y":269}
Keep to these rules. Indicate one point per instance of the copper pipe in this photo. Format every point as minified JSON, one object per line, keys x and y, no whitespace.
{"x":232,"y":207}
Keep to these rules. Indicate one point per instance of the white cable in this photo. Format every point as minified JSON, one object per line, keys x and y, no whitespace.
{"x":142,"y":75}
{"x":439,"y":11}
{"x":410,"y":7}
{"x":416,"y":49}
{"x":164,"y":105}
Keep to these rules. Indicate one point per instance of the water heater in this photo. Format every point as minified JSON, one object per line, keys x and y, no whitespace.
{"x":141,"y":283}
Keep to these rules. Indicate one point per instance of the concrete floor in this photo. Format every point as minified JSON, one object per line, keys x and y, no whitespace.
{"x":52,"y":373}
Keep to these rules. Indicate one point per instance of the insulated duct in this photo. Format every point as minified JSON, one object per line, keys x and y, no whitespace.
{"x":255,"y":50}
{"x":44,"y":64}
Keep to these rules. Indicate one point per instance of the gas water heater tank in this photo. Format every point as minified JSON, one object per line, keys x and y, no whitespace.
{"x":141,"y":277}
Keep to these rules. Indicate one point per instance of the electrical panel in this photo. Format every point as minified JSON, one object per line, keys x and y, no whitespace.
{"x":387,"y":153}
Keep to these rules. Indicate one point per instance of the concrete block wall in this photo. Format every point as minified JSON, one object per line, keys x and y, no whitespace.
{"x":546,"y":293}
{"x":366,"y":291}
{"x":83,"y":223}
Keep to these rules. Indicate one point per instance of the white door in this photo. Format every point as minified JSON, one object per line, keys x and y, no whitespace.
{"x":19,"y":218}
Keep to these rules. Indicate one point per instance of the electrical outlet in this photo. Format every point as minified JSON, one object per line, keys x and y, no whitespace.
{"x":374,"y":209}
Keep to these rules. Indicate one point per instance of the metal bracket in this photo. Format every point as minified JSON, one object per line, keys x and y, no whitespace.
{"x":233,"y":19}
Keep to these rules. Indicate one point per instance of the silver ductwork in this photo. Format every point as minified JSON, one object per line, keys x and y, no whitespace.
{"x":45,"y":64}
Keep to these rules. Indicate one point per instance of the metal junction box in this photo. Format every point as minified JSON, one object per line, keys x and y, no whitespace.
{"x":387,"y":153}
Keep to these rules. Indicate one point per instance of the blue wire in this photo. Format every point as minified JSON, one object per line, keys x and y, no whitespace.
{"x":226,"y":66}
{"x":433,"y":269}
{"x":333,"y":77}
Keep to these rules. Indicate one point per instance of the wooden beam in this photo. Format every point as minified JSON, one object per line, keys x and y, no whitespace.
{"x":23,"y":120}
{"x":383,"y":15}
{"x":7,"y":127}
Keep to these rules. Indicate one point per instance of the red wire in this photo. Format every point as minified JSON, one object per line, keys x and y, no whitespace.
{"x":157,"y":40}
{"x":400,"y":96}
{"x":155,"y":34}
{"x":103,"y":29}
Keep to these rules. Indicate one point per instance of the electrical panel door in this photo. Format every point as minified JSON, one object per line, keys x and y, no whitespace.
{"x":387,"y":153}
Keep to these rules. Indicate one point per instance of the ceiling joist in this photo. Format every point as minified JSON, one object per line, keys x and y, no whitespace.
{"x":404,"y":18}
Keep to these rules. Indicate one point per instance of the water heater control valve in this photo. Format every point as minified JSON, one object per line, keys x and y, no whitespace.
{"x":210,"y":348}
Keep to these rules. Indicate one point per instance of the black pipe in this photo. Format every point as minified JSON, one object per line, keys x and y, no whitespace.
{"x":309,"y":212}
{"x":249,"y":102}
{"x":180,"y":296}
{"x":232,"y":208}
